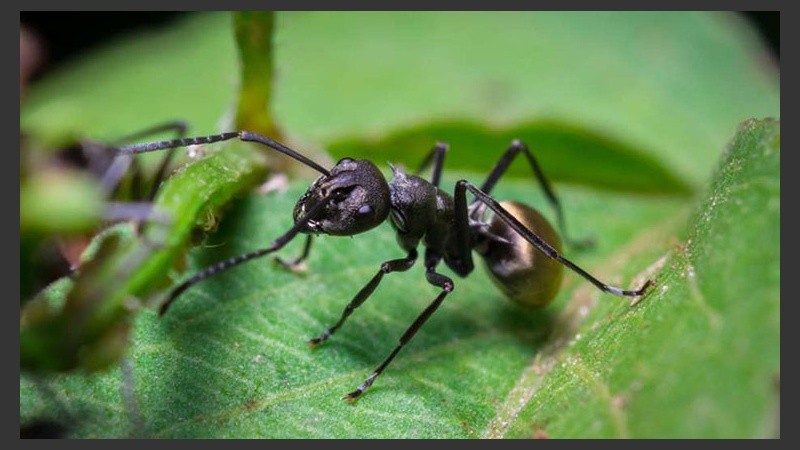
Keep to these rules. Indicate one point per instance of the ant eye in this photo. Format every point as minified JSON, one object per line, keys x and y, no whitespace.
{"x":366,"y":209}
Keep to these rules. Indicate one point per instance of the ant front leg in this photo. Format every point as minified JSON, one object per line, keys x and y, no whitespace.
{"x":395,"y":265}
{"x":499,"y":170}
{"x":434,"y":278}
{"x":298,"y":264}
{"x":277,"y":244}
{"x":460,"y":193}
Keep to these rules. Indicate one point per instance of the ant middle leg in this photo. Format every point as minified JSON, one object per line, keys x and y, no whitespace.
{"x":395,"y":265}
{"x":434,"y":278}
{"x":499,"y":170}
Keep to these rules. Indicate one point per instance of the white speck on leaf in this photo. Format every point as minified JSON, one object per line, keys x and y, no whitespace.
{"x":195,"y":151}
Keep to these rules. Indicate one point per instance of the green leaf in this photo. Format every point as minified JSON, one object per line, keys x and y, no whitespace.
{"x":127,"y":86}
{"x":701,"y":356}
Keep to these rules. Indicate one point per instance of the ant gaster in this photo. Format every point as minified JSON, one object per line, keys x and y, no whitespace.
{"x":522,"y":252}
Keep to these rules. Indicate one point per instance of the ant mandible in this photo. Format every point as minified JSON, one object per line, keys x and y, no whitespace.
{"x":521,"y":250}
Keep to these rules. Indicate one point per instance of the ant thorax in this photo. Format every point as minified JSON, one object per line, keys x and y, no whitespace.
{"x":419,"y":210}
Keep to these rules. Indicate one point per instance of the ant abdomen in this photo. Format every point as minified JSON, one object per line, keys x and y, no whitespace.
{"x":524,"y":274}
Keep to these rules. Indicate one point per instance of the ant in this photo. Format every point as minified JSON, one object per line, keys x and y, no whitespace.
{"x":521,"y":250}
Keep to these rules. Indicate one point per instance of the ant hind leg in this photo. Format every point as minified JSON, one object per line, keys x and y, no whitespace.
{"x":460,"y":193}
{"x":499,"y":170}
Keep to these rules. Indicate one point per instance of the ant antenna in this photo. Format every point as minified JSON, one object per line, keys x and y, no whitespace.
{"x":242,"y":135}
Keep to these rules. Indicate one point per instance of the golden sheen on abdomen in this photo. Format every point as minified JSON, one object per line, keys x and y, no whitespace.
{"x":524,"y":274}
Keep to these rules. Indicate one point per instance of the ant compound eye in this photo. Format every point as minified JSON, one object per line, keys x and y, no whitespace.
{"x":345,"y":160}
{"x":365,"y":209}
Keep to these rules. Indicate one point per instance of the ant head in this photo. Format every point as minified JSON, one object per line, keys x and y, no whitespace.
{"x":360,"y":203}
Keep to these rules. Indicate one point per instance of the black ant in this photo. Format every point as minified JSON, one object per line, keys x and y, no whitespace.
{"x":521,"y":249}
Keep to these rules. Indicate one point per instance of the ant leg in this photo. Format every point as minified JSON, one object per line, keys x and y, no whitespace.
{"x":462,"y":262}
{"x":297,"y":265}
{"x":499,"y":170}
{"x":462,"y":186}
{"x":137,"y":179}
{"x":436,"y":155}
{"x":277,"y":244}
{"x":180,"y":129}
{"x":395,"y":265}
{"x":112,"y":176}
{"x":121,"y":163}
{"x":434,"y":278}
{"x":137,"y":211}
